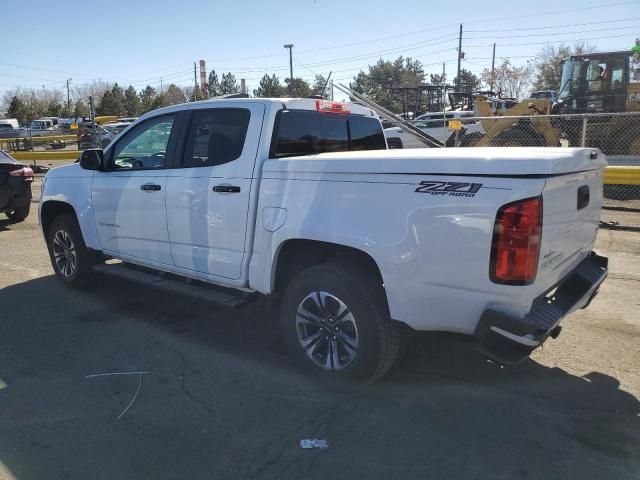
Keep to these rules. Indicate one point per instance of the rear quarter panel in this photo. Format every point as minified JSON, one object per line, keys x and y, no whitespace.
{"x":431,"y":245}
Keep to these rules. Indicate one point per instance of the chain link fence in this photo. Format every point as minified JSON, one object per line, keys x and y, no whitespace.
{"x":616,"y":134}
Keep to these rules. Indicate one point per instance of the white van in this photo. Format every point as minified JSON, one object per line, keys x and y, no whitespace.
{"x":41,"y":126}
{"x":9,"y":123}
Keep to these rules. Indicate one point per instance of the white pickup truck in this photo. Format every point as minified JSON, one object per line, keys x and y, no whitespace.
{"x":299,"y":200}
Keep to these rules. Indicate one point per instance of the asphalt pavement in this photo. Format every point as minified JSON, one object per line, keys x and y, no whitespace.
{"x":207,"y":392}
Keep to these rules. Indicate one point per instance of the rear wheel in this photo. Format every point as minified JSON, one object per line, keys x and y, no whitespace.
{"x":336,"y":324}
{"x":19,"y":214}
{"x":70,"y":258}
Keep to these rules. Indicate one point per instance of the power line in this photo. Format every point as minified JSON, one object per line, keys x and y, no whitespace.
{"x":564,"y":25}
{"x":548,"y":41}
{"x":547,"y":33}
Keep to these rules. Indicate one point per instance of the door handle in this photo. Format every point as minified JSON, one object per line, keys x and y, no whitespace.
{"x":226,"y":189}
{"x":150,"y":187}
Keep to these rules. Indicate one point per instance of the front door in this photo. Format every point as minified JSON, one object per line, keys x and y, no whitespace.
{"x":208,"y":192}
{"x":129,"y":196}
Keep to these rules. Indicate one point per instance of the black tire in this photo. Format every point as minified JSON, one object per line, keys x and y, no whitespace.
{"x":518,"y":137}
{"x":378,"y":339}
{"x":469,"y":140}
{"x":19,"y":214}
{"x":80,"y":275}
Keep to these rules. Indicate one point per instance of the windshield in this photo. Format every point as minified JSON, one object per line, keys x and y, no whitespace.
{"x":570,"y":76}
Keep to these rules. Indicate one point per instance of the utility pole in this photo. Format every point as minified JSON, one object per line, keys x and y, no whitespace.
{"x":459,"y":58}
{"x":195,"y":82}
{"x":444,"y":102}
{"x":290,"y":47}
{"x":493,"y":67}
{"x":160,"y":84}
{"x":68,"y":98}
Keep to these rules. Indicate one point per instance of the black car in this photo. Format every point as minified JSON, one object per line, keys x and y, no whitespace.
{"x":15,"y":188}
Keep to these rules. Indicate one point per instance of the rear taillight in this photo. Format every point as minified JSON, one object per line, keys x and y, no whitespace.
{"x":516,"y":242}
{"x":23,"y":172}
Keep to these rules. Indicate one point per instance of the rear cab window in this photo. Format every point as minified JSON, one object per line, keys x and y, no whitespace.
{"x":307,"y":132}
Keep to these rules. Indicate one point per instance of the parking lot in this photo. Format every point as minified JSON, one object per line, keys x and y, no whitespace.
{"x":218,"y":398}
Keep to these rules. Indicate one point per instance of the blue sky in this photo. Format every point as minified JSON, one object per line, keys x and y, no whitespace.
{"x":138,"y":42}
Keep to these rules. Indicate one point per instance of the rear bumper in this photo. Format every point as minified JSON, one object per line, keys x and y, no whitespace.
{"x":509,"y":339}
{"x":15,"y":196}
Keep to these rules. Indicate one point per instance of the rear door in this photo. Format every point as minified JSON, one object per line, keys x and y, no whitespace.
{"x":208,"y":192}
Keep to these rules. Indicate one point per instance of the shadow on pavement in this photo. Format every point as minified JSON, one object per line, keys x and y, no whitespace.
{"x":221,"y":397}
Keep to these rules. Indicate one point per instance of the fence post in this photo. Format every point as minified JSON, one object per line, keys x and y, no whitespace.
{"x":583,"y":139}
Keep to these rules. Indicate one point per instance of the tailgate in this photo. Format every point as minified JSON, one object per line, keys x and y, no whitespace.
{"x":571,"y":215}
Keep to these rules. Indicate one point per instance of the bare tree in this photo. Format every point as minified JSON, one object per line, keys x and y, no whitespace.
{"x":549,"y":64}
{"x":509,"y":80}
{"x":96,"y":88}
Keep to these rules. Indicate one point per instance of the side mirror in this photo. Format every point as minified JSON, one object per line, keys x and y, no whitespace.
{"x":91,"y":159}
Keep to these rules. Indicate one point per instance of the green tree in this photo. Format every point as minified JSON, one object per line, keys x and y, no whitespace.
{"x":18,"y":110}
{"x":118,"y":99}
{"x":549,"y":64}
{"x":132,"y":104}
{"x":437,"y":79}
{"x":298,"y":87}
{"x":158,"y":101}
{"x":319,"y":83}
{"x":213,"y":84}
{"x":106,"y":106}
{"x":147,"y":96}
{"x":54,"y":109}
{"x":228,"y":84}
{"x":376,"y":83}
{"x":80,"y":109}
{"x":269,"y":87}
{"x":112,"y":102}
{"x":174,"y":95}
{"x":468,"y":81}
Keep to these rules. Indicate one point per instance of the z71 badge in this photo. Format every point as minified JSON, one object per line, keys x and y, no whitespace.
{"x":452,"y":189}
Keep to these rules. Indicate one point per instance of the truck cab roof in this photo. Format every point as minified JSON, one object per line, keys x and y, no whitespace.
{"x":278,"y":103}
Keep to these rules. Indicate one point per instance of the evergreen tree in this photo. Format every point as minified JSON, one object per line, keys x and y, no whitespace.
{"x":131,"y":102}
{"x":17,"y":109}
{"x":298,"y":87}
{"x":269,"y":87}
{"x":319,"y":84}
{"x":80,"y":109}
{"x":228,"y":84}
{"x":468,"y":81}
{"x":147,"y":97}
{"x":213,"y":84}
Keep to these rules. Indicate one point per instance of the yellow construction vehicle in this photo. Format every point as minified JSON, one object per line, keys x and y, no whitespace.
{"x":606,"y":84}
{"x":529,"y":129}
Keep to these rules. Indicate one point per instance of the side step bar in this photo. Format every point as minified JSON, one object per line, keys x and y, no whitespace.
{"x":175,"y":284}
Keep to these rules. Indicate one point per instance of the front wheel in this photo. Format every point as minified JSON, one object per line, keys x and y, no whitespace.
{"x":70,"y":258}
{"x":336,"y":324}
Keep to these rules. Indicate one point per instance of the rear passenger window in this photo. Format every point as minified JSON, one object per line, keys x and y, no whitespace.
{"x":366,"y":134}
{"x":216,"y":136}
{"x":306,"y":132}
